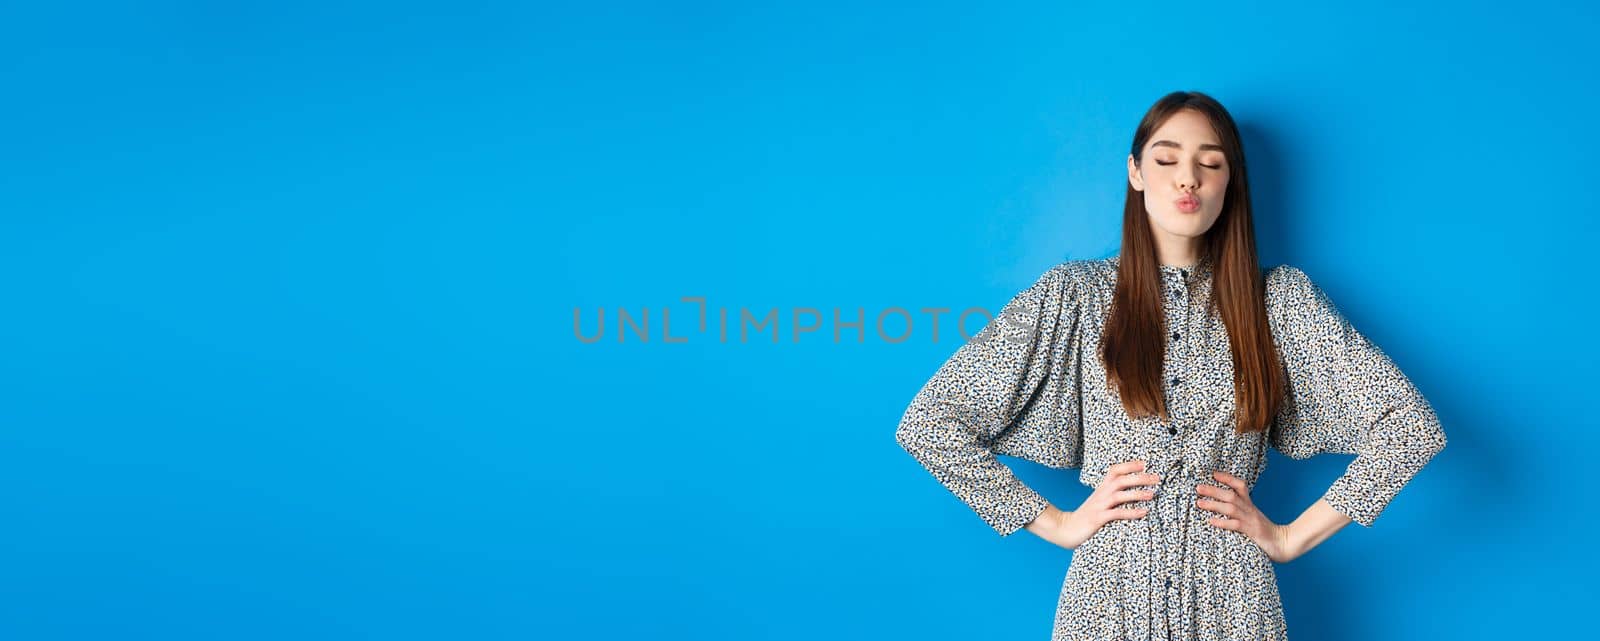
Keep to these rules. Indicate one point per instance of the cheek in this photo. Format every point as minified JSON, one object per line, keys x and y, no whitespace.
{"x":1213,"y":216}
{"x":1215,"y":198}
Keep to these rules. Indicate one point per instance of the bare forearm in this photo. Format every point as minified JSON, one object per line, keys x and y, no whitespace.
{"x":1047,"y":521}
{"x":1314,"y":526}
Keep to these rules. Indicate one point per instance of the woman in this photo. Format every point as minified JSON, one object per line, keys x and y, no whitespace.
{"x":1164,"y":374}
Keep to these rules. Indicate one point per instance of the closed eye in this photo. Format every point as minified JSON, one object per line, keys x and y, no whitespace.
{"x":1202,"y":165}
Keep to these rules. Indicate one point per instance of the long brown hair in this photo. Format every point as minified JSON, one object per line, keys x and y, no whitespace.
{"x":1134,"y":343}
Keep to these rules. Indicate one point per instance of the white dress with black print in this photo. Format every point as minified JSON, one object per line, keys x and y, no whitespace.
{"x":1032,"y":385}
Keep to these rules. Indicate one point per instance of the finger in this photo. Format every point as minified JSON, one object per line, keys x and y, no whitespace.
{"x":1137,"y":479}
{"x":1124,"y":481}
{"x":1123,"y":499}
{"x":1212,"y":491}
{"x":1219,"y":507}
{"x":1224,"y":523}
{"x":1126,"y":467}
{"x":1129,"y":512}
{"x":1129,"y":496}
{"x":1233,"y":482}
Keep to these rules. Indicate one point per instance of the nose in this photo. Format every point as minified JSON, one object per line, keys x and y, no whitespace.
{"x":1187,"y":179}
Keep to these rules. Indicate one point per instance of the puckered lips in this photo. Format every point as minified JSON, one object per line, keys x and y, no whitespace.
{"x":1187,"y":203}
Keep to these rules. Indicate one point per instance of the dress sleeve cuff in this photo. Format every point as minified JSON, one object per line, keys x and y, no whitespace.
{"x":1368,"y":485}
{"x":1021,"y":506}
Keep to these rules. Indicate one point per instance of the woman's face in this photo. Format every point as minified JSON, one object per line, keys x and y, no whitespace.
{"x":1183,"y":176}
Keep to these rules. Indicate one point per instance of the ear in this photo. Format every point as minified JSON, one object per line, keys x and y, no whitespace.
{"x":1133,"y":175}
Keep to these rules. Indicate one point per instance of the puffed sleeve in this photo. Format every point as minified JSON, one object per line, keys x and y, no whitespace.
{"x":1346,"y":396}
{"x":1008,"y":390}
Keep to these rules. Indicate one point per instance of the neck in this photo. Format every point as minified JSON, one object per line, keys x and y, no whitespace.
{"x":1187,"y":256}
{"x":1176,"y":251}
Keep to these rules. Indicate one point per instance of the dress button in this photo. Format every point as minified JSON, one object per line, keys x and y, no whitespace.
{"x":1172,"y":430}
{"x":1174,"y":336}
{"x":1174,"y":380}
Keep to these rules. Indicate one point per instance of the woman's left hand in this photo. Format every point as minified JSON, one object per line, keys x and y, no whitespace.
{"x":1234,"y":503}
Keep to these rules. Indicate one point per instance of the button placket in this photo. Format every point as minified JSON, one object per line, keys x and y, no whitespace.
{"x":1176,"y":510}
{"x":1174,"y":524}
{"x":1177,"y":310}
{"x":1178,"y":353}
{"x":1172,"y":527}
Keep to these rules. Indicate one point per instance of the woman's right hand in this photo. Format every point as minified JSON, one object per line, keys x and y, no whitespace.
{"x":1071,"y":529}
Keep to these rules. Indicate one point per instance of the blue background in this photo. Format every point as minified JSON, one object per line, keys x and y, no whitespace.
{"x":289,"y":346}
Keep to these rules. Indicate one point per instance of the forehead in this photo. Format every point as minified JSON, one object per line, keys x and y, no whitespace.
{"x":1187,"y":131}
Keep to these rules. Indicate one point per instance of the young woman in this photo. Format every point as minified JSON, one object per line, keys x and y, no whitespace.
{"x":1164,"y":374}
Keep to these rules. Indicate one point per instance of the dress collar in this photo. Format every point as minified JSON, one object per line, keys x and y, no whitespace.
{"x":1200,"y":269}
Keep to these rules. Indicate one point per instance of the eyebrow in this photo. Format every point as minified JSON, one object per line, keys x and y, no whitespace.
{"x":1169,"y":143}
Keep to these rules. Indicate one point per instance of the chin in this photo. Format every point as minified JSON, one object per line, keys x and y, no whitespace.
{"x":1184,"y":226}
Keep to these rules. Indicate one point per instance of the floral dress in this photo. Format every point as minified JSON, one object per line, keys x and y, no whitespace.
{"x":1032,"y":385}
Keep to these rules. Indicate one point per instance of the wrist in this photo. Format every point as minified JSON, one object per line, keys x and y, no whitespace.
{"x":1048,"y":521}
{"x":1289,"y":540}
